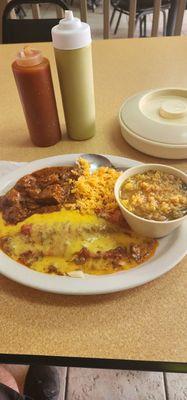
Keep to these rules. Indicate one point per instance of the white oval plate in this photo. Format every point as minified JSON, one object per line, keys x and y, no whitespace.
{"x":170,"y":251}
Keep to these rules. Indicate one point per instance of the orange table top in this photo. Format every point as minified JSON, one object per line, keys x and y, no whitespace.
{"x":146,"y":323}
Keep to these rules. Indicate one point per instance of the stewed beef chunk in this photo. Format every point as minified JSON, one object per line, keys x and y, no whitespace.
{"x":51,"y":195}
{"x":46,"y":190}
{"x":11,"y":198}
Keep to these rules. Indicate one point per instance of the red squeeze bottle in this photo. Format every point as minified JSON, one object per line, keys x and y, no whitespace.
{"x":34,"y":82}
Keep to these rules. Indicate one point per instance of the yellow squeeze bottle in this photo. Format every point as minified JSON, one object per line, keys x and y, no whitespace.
{"x":73,"y":54}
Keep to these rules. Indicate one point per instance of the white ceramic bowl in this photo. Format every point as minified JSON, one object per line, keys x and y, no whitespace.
{"x":149,"y":228}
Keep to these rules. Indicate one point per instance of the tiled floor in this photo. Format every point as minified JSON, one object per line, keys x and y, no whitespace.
{"x":100,"y":384}
{"x":95,"y":19}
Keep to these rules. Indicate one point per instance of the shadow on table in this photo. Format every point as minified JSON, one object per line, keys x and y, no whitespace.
{"x":37,"y":297}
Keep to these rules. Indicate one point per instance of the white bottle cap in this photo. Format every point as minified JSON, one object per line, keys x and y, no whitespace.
{"x":71,"y":33}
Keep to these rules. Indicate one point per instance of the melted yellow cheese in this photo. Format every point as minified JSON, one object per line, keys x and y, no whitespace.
{"x":59,"y":235}
{"x":50,"y":219}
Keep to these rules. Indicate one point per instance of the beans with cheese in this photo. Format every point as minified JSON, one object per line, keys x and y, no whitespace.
{"x":155,"y":195}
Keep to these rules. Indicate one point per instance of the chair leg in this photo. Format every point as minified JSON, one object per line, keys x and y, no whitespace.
{"x":145,"y":25}
{"x":141,"y":22}
{"x":93,"y":6}
{"x":164,"y":22}
{"x":112,"y":16}
{"x":20,"y":12}
{"x":118,"y":21}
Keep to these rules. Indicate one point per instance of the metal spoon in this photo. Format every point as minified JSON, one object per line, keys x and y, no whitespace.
{"x":96,"y":161}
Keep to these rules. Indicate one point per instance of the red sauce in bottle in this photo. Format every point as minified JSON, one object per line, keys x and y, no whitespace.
{"x":34,"y":82}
